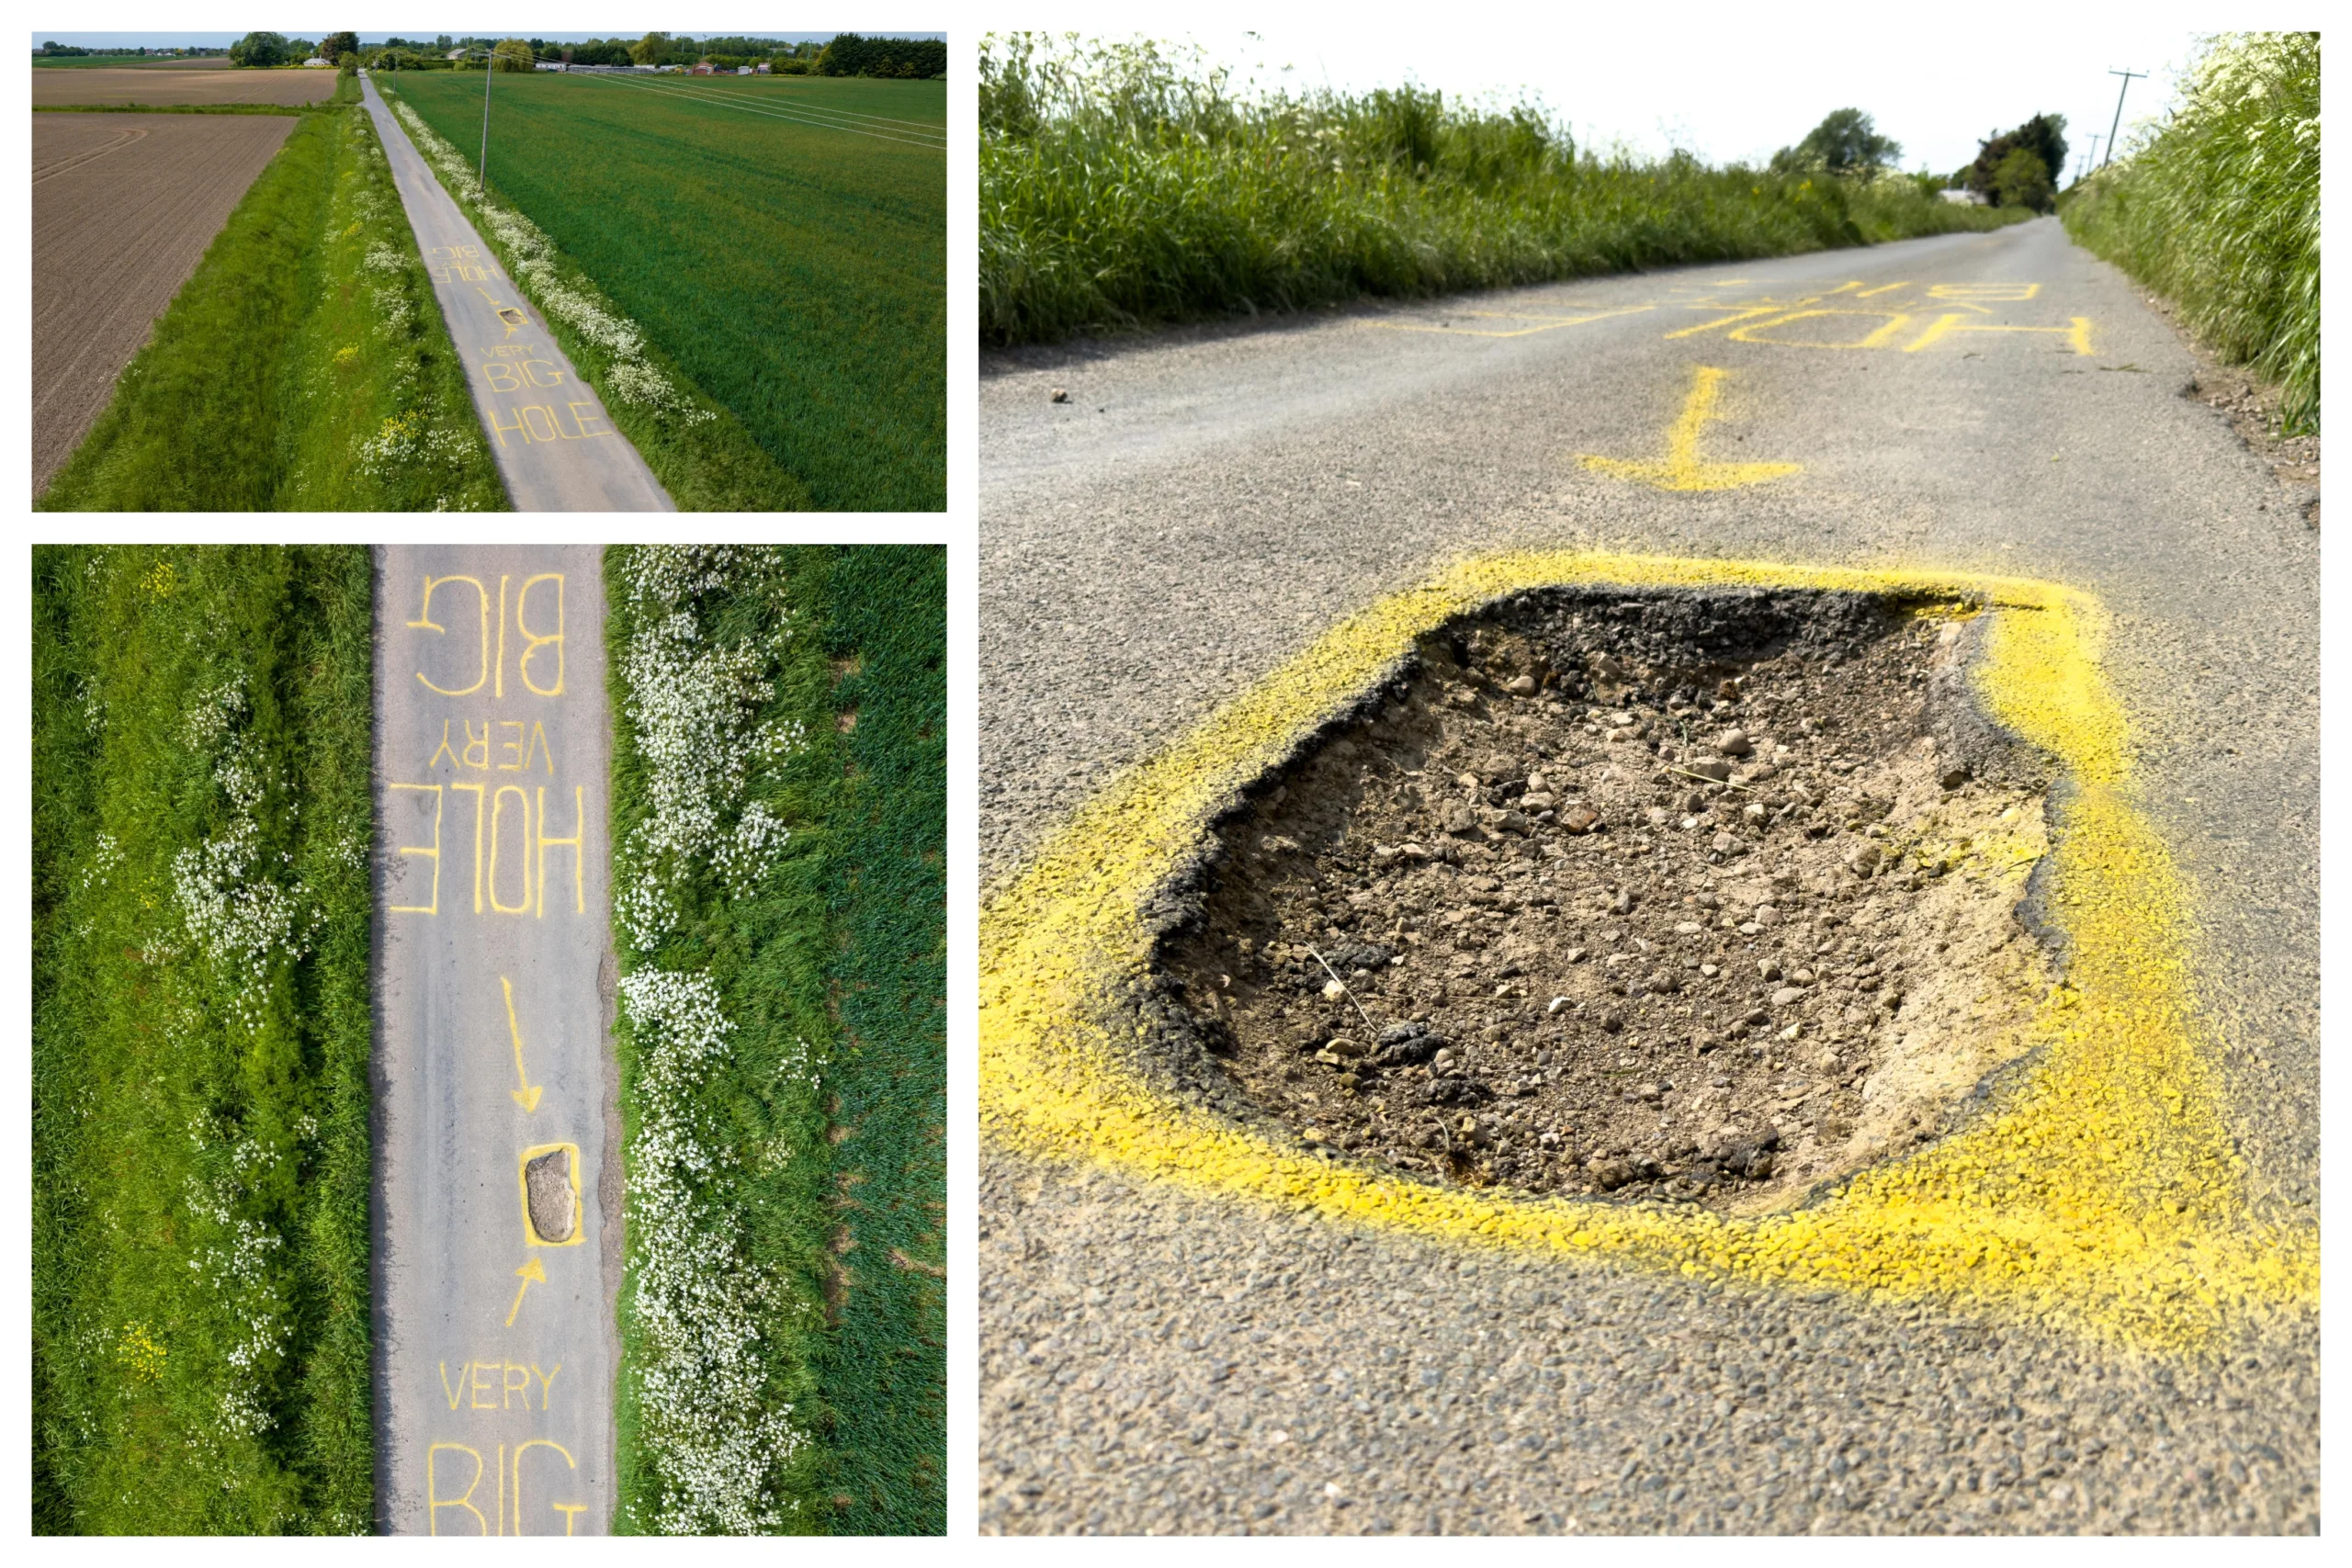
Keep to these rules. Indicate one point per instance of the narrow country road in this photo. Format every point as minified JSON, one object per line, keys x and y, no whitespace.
{"x":555,"y":447}
{"x":1155,"y":1357}
{"x":498,"y":1238}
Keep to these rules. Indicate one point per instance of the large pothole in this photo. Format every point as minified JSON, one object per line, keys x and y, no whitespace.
{"x":546,"y":1187}
{"x":1704,"y":897}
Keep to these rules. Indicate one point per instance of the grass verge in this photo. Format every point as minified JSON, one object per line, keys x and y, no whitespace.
{"x":1119,"y":188}
{"x":724,"y":780}
{"x":305,"y":365}
{"x":2219,"y":210}
{"x":883,"y":1371}
{"x":703,"y":454}
{"x":201,"y":817}
{"x":778,"y":820}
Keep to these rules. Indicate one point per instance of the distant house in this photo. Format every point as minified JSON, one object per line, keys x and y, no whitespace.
{"x":455,"y":54}
{"x":549,"y":65}
{"x":1964,"y":198}
{"x":316,"y":61}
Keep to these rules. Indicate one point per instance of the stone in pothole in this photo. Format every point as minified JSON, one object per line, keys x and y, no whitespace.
{"x":547,"y":1186}
{"x":1701,"y":898}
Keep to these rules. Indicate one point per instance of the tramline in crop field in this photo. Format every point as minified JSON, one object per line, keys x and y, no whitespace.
{"x":782,"y":241}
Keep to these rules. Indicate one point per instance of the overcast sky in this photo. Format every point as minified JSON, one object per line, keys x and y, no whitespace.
{"x":1725,"y":83}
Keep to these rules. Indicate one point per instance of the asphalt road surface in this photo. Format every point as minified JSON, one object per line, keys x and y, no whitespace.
{"x":556,"y":446}
{"x":498,"y":1228}
{"x":1205,"y":502}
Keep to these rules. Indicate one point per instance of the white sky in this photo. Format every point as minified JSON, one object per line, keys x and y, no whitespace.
{"x":1726,"y":83}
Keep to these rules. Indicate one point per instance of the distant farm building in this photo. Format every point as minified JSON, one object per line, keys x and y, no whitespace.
{"x":315,"y":61}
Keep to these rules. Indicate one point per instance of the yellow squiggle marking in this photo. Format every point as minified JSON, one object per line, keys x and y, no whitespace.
{"x":2102,"y":1194}
{"x":1681,"y":468}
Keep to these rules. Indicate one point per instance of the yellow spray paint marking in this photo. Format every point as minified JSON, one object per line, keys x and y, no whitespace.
{"x":1548,"y":323}
{"x":1892,"y":323}
{"x":527,"y":1096}
{"x":2100,"y":1193}
{"x":1991,"y":293}
{"x":2077,"y":334}
{"x":529,"y":1272}
{"x":1680,"y":469}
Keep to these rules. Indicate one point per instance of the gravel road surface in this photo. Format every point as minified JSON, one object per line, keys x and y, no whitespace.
{"x":1204,"y":502}
{"x":498,"y":1239}
{"x":556,"y":446}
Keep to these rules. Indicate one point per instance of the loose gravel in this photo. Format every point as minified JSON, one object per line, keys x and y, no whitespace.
{"x":1677,"y":897}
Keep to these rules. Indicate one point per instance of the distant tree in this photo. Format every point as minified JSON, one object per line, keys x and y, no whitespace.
{"x":848,"y":54}
{"x":299,"y":48}
{"x":2023,"y":179}
{"x":511,"y":54}
{"x":346,"y":62}
{"x":443,"y":43}
{"x":1844,"y":142}
{"x":650,"y":50}
{"x":2044,"y":136}
{"x":334,"y":46}
{"x":259,"y":49}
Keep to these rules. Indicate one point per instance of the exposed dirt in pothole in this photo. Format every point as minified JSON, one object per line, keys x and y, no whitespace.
{"x":547,"y":1187}
{"x":1707,"y":897}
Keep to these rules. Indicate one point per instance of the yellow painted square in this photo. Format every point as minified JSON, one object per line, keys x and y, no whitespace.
{"x":2101,"y":1192}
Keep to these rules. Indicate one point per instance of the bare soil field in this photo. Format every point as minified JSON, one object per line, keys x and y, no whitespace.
{"x":123,"y":207}
{"x":138,"y":84}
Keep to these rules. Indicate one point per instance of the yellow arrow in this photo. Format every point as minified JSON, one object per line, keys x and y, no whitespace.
{"x":1680,"y":469}
{"x":529,"y":1272}
{"x":527,"y":1096}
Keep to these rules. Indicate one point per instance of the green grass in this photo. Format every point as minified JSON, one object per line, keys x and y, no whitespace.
{"x":199,"y":1101}
{"x":1120,"y":188}
{"x":794,"y":275}
{"x":2219,"y":210}
{"x":305,"y":365}
{"x":883,"y":1371}
{"x":829,"y":967}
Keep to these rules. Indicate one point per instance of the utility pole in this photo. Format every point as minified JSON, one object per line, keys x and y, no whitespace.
{"x":2125,"y":87}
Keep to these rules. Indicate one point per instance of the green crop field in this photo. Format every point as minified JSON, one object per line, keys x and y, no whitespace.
{"x":782,"y":241}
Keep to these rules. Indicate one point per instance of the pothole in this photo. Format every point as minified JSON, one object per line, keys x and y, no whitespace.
{"x":1699,"y":896}
{"x":547,"y":1189}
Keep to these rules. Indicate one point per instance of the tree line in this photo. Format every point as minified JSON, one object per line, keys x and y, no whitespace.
{"x":2013,"y":168}
{"x":846,"y":54}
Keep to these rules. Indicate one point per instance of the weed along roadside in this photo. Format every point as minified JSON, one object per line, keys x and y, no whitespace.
{"x":644,"y":937}
{"x":305,"y":365}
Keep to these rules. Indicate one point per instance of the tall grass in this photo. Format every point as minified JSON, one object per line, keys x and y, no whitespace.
{"x":201,"y":726}
{"x":1122,"y":185}
{"x":305,"y":365}
{"x":2219,"y":210}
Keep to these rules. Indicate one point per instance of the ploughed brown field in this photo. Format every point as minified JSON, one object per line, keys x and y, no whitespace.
{"x":139,"y":84}
{"x":123,"y":207}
